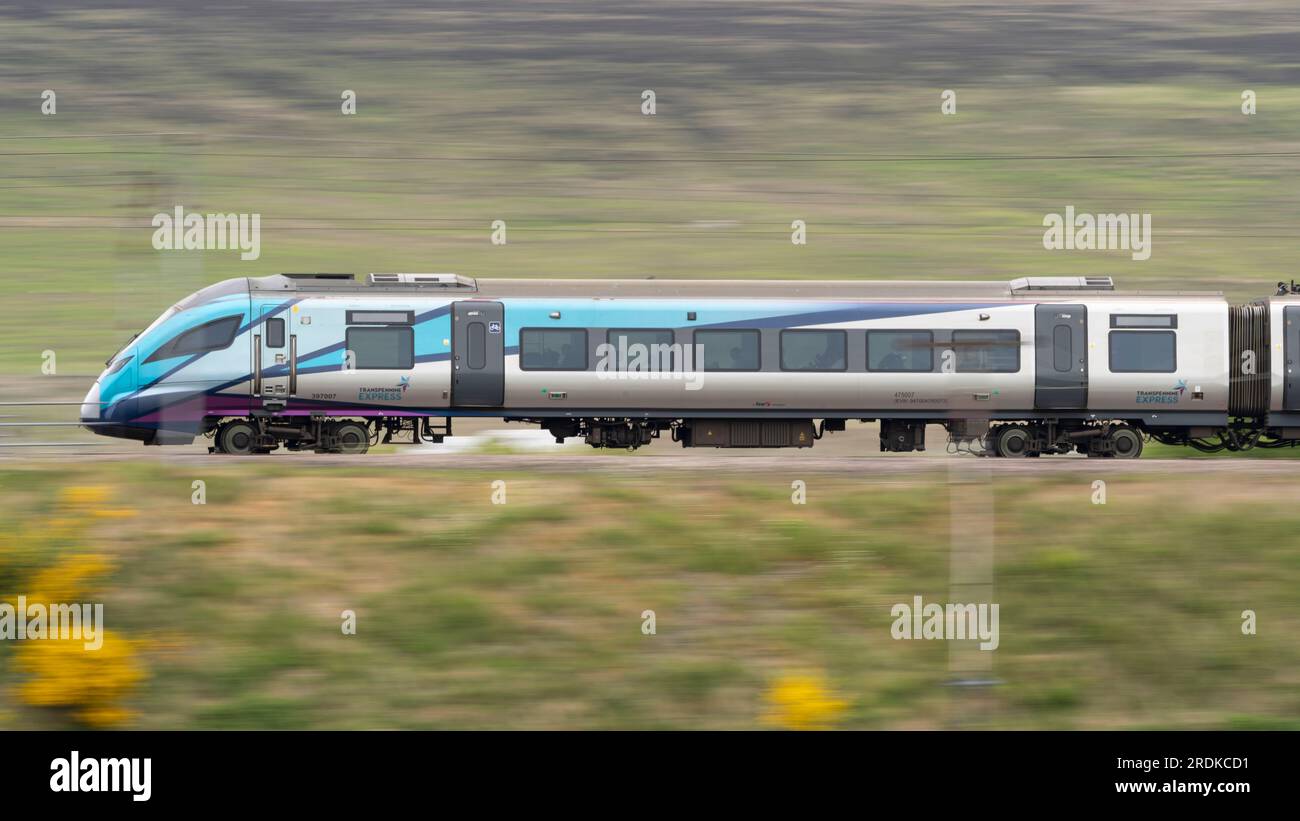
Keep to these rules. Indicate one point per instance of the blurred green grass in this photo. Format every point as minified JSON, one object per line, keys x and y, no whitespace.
{"x":471,"y":614}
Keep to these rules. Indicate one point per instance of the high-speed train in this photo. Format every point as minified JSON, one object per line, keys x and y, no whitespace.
{"x":1039,"y":365}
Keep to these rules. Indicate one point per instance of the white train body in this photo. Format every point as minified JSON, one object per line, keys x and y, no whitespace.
{"x":1066,"y":362}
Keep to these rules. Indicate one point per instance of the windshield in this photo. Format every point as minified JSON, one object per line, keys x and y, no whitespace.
{"x":166,"y":315}
{"x":229,"y":286}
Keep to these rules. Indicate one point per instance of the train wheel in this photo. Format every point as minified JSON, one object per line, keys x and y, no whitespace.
{"x":352,"y":438}
{"x":238,"y":438}
{"x":1014,"y":442}
{"x":991,"y":440}
{"x":1127,"y":443}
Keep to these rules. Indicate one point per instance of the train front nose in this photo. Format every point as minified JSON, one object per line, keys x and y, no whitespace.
{"x":109,"y":406}
{"x":90,"y":410}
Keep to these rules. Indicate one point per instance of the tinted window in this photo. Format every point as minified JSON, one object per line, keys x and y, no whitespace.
{"x":813,"y":350}
{"x":210,"y":336}
{"x":477,"y":356}
{"x":275,"y":333}
{"x":900,"y":351}
{"x":1144,"y":320}
{"x":654,"y":359}
{"x":1063,"y":348}
{"x":553,"y":349}
{"x":987,"y":351}
{"x":382,"y":348}
{"x":1142,"y":352}
{"x":381,"y":317}
{"x":729,"y":350}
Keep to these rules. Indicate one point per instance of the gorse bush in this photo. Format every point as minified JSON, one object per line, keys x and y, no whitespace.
{"x":46,"y":564}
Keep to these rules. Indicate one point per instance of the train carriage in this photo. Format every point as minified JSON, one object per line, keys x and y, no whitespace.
{"x":1038,"y":365}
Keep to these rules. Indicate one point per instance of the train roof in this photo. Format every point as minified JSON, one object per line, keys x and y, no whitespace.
{"x":1026,"y":288}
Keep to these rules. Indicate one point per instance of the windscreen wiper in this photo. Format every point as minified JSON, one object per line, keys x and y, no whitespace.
{"x":109,"y":361}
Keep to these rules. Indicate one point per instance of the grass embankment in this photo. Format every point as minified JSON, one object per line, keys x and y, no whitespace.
{"x":529,"y":614}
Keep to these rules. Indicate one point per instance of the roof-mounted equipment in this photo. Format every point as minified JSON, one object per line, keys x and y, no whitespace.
{"x":1062,"y":284}
{"x":447,"y":281}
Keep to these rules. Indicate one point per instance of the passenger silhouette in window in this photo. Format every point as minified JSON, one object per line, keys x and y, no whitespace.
{"x":829,"y":357}
{"x":893,"y":361}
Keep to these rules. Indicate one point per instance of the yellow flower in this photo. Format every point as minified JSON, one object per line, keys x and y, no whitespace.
{"x":802,"y":702}
{"x":62,"y":673}
{"x":68,"y":581}
{"x":88,"y":496}
{"x":112,"y":512}
{"x":92,"y":500}
{"x":92,"y":683}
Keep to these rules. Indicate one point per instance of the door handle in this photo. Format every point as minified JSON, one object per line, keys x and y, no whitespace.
{"x":293,"y":364}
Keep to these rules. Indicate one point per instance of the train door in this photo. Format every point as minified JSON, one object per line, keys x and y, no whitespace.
{"x":478,"y":354}
{"x":1060,"y":357}
{"x":273,"y":377}
{"x":1291,"y":365}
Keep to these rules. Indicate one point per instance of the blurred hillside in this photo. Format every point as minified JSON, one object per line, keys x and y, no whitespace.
{"x":531,"y":113}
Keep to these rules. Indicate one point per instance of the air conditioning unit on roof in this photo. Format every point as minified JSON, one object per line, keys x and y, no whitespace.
{"x":426,"y":280}
{"x":1062,"y":284}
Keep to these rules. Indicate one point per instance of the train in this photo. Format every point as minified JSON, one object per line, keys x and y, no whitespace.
{"x":1033,"y":366}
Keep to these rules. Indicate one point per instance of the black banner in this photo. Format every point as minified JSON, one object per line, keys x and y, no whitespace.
{"x":135,"y":771}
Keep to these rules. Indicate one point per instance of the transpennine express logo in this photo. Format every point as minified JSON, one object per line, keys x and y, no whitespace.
{"x":1169,"y":397}
{"x":393,"y":394}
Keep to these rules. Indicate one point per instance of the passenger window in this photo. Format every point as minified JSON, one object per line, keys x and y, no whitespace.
{"x":210,"y":336}
{"x":382,"y":348}
{"x":662,"y":358}
{"x":813,"y":350}
{"x":553,"y":349}
{"x":900,"y":351}
{"x":729,"y":350}
{"x":1063,"y":348}
{"x":1143,"y":352}
{"x":275,"y":333}
{"x":987,"y":351}
{"x":477,"y":355}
